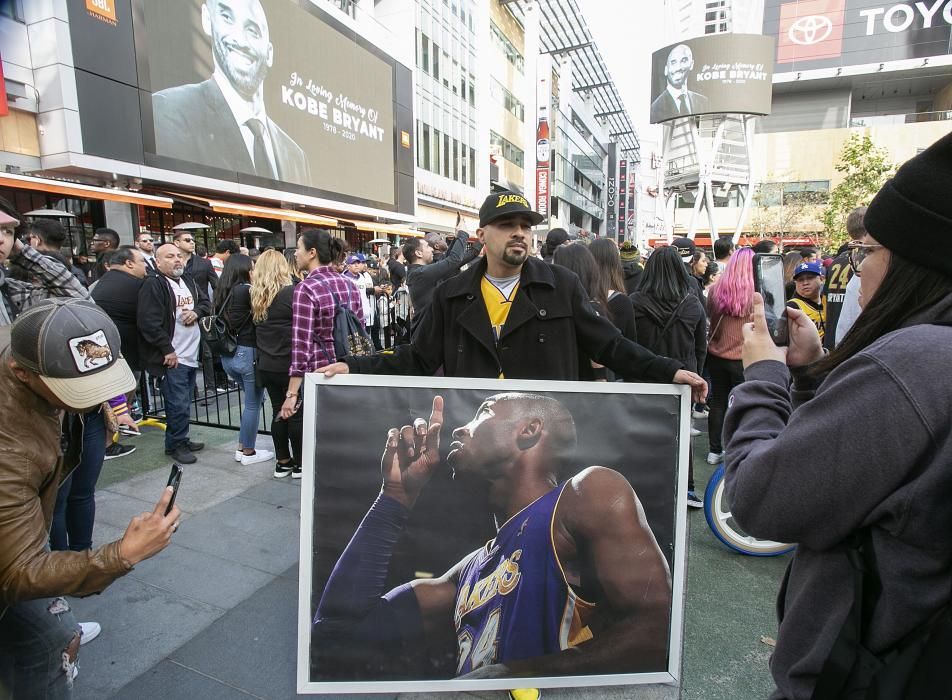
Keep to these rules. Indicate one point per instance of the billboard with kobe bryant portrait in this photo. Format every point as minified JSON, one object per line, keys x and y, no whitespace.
{"x":719,"y":73}
{"x":815,"y":34}
{"x":275,"y":89}
{"x":476,"y":534}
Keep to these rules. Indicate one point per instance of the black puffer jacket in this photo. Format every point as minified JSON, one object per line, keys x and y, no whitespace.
{"x":674,"y":329}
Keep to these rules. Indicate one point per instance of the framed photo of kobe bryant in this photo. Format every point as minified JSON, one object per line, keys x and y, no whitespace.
{"x":466,"y":534}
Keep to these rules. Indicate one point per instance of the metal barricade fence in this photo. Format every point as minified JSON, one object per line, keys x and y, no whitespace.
{"x":217,"y":400}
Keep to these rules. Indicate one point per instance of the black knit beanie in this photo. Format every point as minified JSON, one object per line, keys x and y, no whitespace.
{"x":912,"y":214}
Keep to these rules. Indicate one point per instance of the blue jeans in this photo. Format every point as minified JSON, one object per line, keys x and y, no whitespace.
{"x":75,"y":511}
{"x":241,"y":368}
{"x":38,"y":647}
{"x":177,"y":387}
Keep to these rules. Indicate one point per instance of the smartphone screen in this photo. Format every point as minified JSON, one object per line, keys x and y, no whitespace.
{"x":175,"y":478}
{"x":768,"y":280}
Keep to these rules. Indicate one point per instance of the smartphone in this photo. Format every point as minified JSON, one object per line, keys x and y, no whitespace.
{"x":175,"y":478}
{"x":768,"y":280}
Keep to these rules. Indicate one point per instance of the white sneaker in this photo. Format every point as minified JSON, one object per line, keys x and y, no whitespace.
{"x":715,"y":457}
{"x":90,"y":630}
{"x":238,"y":455}
{"x":258,"y":456}
{"x":694,"y":431}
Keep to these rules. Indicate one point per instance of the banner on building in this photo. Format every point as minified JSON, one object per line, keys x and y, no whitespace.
{"x":611,"y":216}
{"x":713,"y":74}
{"x":4,"y":109}
{"x":399,"y":591}
{"x":838,"y":33}
{"x":622,"y":197}
{"x":543,"y":142}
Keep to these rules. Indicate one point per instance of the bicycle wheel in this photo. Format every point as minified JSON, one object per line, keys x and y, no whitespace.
{"x":718,"y":514}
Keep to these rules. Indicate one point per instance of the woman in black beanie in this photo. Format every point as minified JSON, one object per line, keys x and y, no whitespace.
{"x":863,"y":472}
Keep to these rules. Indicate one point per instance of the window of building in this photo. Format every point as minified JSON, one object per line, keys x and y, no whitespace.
{"x":446,"y":62}
{"x":425,"y":52}
{"x":715,"y":17}
{"x":507,"y":47}
{"x":425,"y":163}
{"x":12,"y":9}
{"x":507,"y":100}
{"x":472,"y":167}
{"x":436,"y":61}
{"x":446,"y":156}
{"x":775,"y":194}
{"x":472,"y":91}
{"x":510,"y":151}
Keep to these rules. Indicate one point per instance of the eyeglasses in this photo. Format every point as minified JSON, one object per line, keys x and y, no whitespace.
{"x":187,"y":240}
{"x":145,"y":240}
{"x":858,"y":255}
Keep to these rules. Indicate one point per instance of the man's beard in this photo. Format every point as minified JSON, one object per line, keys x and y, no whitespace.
{"x":513,"y":257}
{"x":245,"y":83}
{"x":176,"y":272}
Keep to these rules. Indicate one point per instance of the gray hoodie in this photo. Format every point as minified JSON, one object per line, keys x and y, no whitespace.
{"x":873,"y":447}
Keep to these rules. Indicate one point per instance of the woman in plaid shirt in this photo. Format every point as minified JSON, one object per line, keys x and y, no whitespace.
{"x":312,"y":323}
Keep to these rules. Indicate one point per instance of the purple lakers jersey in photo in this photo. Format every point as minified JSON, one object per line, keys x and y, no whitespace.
{"x":512,"y":599}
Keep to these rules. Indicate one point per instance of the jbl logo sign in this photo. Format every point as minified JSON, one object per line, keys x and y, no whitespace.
{"x":103,"y":9}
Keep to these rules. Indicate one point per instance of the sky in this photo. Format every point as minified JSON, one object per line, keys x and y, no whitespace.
{"x":626,"y":32}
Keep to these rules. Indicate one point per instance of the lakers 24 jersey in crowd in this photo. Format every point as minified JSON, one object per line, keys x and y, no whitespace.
{"x":512,"y":599}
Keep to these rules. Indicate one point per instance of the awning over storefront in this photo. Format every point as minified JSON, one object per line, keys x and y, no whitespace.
{"x":75,"y":189}
{"x":387,"y":229}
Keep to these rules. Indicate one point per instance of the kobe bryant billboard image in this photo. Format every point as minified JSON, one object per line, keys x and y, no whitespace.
{"x":815,"y":34}
{"x":277,"y":91}
{"x":723,"y":73}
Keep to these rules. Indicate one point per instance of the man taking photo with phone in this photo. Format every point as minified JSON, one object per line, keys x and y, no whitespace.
{"x":61,"y":355}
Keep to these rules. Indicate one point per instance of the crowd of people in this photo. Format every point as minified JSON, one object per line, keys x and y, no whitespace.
{"x":868,"y":329}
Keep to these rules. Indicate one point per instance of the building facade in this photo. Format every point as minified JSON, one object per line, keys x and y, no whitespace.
{"x":843,"y":68}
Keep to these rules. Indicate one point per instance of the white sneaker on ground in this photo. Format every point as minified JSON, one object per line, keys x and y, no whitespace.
{"x":694,"y":431}
{"x":715,"y":457}
{"x":258,"y":456}
{"x":238,"y":455}
{"x":90,"y":630}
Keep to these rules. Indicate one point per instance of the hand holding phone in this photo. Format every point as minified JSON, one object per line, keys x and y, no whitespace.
{"x":175,"y":478}
{"x":768,"y":280}
{"x":149,"y":533}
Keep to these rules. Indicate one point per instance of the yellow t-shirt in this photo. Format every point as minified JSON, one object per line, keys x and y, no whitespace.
{"x":498,"y":303}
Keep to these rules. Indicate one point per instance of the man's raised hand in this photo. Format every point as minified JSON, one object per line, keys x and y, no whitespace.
{"x":411,"y":456}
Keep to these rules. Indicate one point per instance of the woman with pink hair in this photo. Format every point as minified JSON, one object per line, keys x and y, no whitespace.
{"x":729,"y":305}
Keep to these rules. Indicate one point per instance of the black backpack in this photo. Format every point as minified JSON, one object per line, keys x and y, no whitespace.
{"x":914,"y":669}
{"x":350,"y":336}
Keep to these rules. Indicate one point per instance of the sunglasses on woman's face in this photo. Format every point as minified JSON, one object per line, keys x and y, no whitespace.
{"x":859,"y":253}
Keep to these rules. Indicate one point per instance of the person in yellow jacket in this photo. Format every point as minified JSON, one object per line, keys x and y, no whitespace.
{"x":808,"y":278}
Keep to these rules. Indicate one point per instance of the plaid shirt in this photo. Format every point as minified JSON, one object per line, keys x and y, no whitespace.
{"x":50,"y":279}
{"x":312,"y":321}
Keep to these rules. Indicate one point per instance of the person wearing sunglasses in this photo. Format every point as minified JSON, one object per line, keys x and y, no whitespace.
{"x":146,"y":245}
{"x":860,"y":476}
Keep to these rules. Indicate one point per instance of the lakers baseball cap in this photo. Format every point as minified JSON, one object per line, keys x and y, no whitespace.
{"x":351,"y":259}
{"x":686,"y":248}
{"x":506,"y":203}
{"x":74,"y":348}
{"x":804,"y":267}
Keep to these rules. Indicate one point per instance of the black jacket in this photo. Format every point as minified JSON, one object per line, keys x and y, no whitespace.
{"x":633,"y":272}
{"x":273,"y":334}
{"x":117,"y":293}
{"x":202,"y":273}
{"x":397,"y":271}
{"x":551,"y":325}
{"x":423,"y":279}
{"x":685,"y":337}
{"x":156,"y":320}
